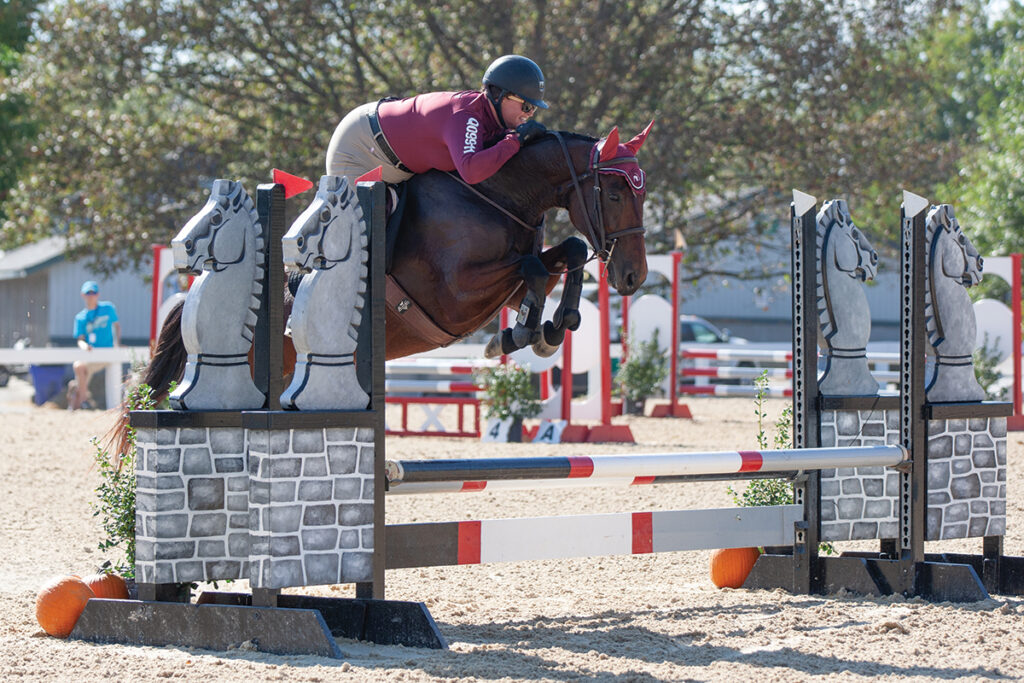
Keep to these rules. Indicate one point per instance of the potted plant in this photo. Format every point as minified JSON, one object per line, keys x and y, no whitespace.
{"x":509,"y":394}
{"x":642,"y":374}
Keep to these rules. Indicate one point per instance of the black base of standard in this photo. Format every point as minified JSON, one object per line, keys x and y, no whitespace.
{"x":941,"y":578}
{"x":299,"y":624}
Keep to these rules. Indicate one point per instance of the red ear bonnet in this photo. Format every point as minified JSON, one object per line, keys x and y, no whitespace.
{"x":610,"y":145}
{"x":610,"y":149}
{"x":636,"y":143}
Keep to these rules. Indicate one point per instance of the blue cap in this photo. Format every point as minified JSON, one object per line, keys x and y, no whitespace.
{"x":90,"y":287}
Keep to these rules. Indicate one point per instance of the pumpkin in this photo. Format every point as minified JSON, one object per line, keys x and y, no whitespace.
{"x":59,"y":604}
{"x":730,"y":566}
{"x":110,"y":586}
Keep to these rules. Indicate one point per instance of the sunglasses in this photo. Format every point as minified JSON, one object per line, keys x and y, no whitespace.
{"x":527,"y":107}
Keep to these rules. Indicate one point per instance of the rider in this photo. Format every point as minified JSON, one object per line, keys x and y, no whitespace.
{"x":443,"y":130}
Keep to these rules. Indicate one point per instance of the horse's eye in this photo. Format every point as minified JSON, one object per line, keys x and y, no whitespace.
{"x":325,"y":215}
{"x":216,"y":218}
{"x":614,"y":196}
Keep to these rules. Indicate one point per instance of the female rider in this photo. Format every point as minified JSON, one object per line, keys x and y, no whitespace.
{"x":443,"y":130}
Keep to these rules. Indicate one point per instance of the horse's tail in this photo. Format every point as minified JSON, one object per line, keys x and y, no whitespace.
{"x":167,"y":365}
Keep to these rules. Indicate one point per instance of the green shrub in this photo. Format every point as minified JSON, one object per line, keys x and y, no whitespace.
{"x":644,"y":370}
{"x":116,"y":492}
{"x":508,"y":392}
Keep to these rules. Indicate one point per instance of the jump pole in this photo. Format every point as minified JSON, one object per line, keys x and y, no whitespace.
{"x":636,"y":467}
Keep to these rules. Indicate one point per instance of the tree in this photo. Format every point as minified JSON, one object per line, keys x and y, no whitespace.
{"x":989,"y":193}
{"x":16,"y":126}
{"x":148,"y":101}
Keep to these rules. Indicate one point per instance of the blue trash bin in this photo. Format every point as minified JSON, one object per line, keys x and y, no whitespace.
{"x":49,"y":380}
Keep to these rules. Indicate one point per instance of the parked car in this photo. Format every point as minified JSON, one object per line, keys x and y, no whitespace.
{"x":694,"y":329}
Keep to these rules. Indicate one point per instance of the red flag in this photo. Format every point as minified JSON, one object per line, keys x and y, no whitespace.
{"x":374,"y":176}
{"x":293,"y":184}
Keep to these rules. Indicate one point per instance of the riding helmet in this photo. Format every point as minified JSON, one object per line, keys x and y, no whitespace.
{"x":518,"y":75}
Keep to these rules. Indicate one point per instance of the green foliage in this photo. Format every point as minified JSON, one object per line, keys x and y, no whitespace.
{"x":644,"y":370}
{"x":508,"y":391}
{"x":116,"y":492}
{"x":144,"y":103}
{"x":16,"y":125}
{"x":986,"y":358}
{"x":770,"y":491}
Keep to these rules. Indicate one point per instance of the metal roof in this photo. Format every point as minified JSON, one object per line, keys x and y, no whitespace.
{"x":25,"y":260}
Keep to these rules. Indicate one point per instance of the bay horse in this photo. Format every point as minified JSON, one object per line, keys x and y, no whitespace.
{"x":463,"y":252}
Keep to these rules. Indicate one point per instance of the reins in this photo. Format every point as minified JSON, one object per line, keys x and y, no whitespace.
{"x":597,"y":235}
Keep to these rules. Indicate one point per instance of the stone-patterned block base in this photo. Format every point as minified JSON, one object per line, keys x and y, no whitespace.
{"x":311,"y":506}
{"x":859,"y":502}
{"x":191,"y":505}
{"x":966,"y":478}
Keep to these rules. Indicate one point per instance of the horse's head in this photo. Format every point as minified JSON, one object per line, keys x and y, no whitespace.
{"x":853,"y":252}
{"x":215,"y":237}
{"x":944,"y":234}
{"x":608,"y":208}
{"x":322,"y":235}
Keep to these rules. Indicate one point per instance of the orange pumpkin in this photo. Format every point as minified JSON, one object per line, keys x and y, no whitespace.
{"x":109,"y":586}
{"x":59,"y":604}
{"x":730,"y":566}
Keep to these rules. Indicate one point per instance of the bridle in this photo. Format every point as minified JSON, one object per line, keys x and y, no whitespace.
{"x":602,"y":242}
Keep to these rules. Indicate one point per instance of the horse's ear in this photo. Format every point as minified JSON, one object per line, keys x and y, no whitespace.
{"x":610,"y":145}
{"x":636,"y":143}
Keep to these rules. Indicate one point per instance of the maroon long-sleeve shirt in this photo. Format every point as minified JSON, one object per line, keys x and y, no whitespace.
{"x":446,"y":131}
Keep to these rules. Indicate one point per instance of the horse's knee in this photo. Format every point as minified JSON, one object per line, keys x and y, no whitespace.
{"x":575,"y":251}
{"x":535,"y":274}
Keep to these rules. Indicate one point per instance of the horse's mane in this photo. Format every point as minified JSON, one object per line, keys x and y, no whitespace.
{"x":517,"y":179}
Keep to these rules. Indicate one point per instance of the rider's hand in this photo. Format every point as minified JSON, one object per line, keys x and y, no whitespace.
{"x":529,"y":131}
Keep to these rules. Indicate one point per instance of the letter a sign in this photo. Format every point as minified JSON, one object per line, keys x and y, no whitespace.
{"x":550,"y":431}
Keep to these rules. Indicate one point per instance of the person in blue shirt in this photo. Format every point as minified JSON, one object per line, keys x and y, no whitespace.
{"x":96,"y":326}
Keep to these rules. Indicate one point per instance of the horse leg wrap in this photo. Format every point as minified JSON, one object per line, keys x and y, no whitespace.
{"x":568,"y":314}
{"x":535,"y":276}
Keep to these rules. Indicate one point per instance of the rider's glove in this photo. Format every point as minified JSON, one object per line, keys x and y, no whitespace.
{"x":530,"y":131}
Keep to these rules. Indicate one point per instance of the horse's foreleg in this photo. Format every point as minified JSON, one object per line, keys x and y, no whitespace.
{"x":527,"y":328}
{"x":567,"y":315}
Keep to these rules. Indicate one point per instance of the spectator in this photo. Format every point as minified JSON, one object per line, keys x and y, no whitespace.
{"x":96,"y":326}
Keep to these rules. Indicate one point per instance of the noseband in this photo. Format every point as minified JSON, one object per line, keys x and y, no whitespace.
{"x":600,"y":239}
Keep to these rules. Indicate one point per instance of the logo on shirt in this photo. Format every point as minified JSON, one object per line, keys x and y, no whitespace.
{"x":472,"y":128}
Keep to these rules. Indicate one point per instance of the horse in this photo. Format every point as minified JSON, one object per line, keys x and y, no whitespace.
{"x":223,"y":245}
{"x":465,"y":251}
{"x":952,"y":263}
{"x":845,"y":260}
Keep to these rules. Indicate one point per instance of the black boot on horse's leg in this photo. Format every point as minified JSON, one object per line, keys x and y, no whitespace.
{"x":527,"y":327}
{"x":567,"y":315}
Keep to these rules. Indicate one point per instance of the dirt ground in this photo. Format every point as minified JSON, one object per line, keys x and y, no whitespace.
{"x":655,"y":617}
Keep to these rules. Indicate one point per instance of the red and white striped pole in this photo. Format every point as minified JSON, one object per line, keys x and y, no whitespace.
{"x":599,"y":470}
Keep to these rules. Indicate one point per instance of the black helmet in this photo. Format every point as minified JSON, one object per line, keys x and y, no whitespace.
{"x":519,"y":76}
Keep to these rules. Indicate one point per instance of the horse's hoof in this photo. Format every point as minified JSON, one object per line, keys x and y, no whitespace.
{"x":571,"y":320}
{"x":544,"y":350}
{"x":493,"y":348}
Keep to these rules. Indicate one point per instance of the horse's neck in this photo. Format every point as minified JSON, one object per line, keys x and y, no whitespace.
{"x":530,"y":180}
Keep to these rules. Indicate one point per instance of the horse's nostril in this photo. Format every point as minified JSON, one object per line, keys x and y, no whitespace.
{"x":300,"y":242}
{"x":874,"y":257}
{"x":189,"y":246}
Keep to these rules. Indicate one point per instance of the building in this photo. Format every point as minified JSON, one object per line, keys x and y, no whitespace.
{"x":39,"y":296}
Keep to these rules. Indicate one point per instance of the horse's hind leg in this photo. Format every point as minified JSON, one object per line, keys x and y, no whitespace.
{"x":567,"y":315}
{"x":527,"y":328}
